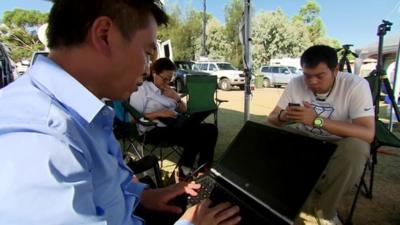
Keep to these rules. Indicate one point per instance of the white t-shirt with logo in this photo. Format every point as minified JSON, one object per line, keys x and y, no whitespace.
{"x":349,"y":99}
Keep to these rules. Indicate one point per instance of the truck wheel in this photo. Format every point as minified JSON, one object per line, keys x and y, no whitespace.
{"x":266,"y":83}
{"x":225,"y":84}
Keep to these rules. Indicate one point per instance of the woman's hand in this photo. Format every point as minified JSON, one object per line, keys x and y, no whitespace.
{"x":203,"y":214}
{"x":159,"y":199}
{"x":171,"y":93}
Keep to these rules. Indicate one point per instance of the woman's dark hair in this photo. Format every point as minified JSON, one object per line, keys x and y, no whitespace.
{"x":317,"y":54}
{"x":70,"y":20}
{"x":159,"y":66}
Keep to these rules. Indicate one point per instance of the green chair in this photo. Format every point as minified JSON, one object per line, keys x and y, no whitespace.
{"x":202,"y":94}
{"x":383,"y":137}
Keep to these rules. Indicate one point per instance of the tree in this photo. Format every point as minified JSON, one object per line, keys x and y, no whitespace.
{"x":309,"y":15}
{"x":275,"y":36}
{"x":216,"y":41}
{"x":20,"y":32}
{"x":184,"y":31}
{"x":233,"y":17}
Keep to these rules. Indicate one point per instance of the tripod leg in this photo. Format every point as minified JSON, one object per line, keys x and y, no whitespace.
{"x":348,"y":66}
{"x":341,"y":63}
{"x":391,"y":96}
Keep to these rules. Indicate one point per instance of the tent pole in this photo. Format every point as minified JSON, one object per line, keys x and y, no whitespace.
{"x":247,"y":60}
{"x":395,"y":86}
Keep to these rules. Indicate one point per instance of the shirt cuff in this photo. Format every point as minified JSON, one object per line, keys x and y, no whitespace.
{"x":183,"y":222}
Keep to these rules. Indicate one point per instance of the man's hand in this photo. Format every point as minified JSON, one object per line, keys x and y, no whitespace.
{"x":222,"y":214}
{"x":301,"y":114}
{"x":159,"y":199}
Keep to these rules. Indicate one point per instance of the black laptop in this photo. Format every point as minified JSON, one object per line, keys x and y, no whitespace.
{"x":269,"y":172}
{"x":186,"y":119}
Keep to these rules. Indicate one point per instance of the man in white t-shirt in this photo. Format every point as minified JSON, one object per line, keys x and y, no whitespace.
{"x":334,"y":106}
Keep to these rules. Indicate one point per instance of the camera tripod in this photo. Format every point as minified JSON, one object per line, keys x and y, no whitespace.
{"x":380,"y":73}
{"x":344,"y":60}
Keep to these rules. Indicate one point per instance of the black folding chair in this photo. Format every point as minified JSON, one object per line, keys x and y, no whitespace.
{"x":127,"y":133}
{"x":164,"y":147}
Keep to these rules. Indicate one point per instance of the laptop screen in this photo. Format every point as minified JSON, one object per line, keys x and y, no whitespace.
{"x":278,"y":167}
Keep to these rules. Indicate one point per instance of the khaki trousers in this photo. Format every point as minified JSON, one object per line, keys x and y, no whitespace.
{"x":341,"y":174}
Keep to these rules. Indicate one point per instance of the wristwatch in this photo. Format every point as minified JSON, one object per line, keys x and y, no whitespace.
{"x":318,"y":122}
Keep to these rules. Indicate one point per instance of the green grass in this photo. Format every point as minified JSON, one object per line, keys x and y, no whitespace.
{"x":229,"y":124}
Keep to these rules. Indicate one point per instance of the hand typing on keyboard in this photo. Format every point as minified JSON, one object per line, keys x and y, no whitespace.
{"x":203,"y":214}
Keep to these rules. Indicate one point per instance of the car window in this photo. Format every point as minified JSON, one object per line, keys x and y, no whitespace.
{"x":265,"y":69}
{"x":284,"y":70}
{"x":203,"y":66}
{"x":184,"y":65}
{"x":212,"y":67}
{"x":225,"y":66}
{"x":275,"y":70}
{"x":195,"y":67}
{"x":293,"y":69}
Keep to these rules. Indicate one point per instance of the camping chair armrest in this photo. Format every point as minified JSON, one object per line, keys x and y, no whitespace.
{"x":137,"y":116}
{"x":145,"y":122}
{"x":220,"y":100}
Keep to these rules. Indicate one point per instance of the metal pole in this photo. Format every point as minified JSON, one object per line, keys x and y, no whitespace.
{"x":203,"y":36}
{"x":247,"y":60}
{"x":395,"y":87}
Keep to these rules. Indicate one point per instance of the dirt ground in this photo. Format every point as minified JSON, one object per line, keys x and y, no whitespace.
{"x":382,"y":209}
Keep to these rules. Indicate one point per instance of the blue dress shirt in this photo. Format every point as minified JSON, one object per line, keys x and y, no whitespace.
{"x":60,"y":162}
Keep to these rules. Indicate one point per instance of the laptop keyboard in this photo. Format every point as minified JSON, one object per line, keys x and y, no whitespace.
{"x":218,"y":194}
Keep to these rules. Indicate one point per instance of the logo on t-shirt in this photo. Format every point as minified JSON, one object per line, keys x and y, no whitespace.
{"x":324,"y":110}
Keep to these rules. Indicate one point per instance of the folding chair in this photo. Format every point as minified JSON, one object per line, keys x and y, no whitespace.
{"x":383,"y":137}
{"x":162,"y":146}
{"x":201,"y":90}
{"x":126,"y":131}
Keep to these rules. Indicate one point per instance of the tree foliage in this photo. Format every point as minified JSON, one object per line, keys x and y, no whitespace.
{"x":19,"y":32}
{"x":217,"y":43}
{"x":184,"y":31}
{"x":309,"y":15}
{"x":275,"y":36}
{"x":233,"y":18}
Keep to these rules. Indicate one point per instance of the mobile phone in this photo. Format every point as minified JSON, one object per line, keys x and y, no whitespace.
{"x":294,"y":104}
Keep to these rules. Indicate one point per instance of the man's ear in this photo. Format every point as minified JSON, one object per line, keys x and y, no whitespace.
{"x":100,"y":33}
{"x":336,"y":70}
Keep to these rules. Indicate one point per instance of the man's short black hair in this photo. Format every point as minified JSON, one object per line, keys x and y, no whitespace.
{"x":317,"y":54}
{"x":70,"y":20}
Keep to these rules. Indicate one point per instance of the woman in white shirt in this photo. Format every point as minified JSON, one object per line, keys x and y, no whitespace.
{"x":158,"y":102}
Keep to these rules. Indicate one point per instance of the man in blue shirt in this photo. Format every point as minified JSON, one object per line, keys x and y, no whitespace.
{"x":60,"y":162}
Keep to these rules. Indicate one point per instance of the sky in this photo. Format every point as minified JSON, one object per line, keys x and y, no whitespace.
{"x":349,"y":21}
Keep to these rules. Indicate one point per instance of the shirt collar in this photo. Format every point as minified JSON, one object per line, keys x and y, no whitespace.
{"x":58,"y":84}
{"x":153,"y":87}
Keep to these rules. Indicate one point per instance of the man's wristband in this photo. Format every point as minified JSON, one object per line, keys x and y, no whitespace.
{"x":279,"y":116}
